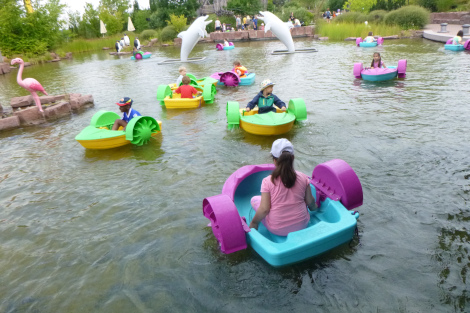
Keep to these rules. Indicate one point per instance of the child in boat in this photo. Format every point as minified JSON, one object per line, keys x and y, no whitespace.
{"x":285,"y":194}
{"x":226,"y":44}
{"x":457,"y":40}
{"x":129,"y":113}
{"x":187,"y":91}
{"x":377,"y":61}
{"x":135,"y":51}
{"x":182,"y":71}
{"x":265,"y":99}
{"x":370,"y":38}
{"x":239,"y":69}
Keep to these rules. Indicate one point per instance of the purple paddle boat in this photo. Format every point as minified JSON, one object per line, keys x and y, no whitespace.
{"x":221,"y":47}
{"x":231,"y":79}
{"x":337,"y":191}
{"x":380,"y":74}
{"x":450,"y":46}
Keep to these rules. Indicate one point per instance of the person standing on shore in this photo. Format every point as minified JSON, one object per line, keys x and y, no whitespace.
{"x":239,"y":23}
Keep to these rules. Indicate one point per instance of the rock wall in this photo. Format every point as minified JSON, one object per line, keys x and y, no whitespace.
{"x":307,"y":31}
{"x":458,"y":18}
{"x":24,"y":111}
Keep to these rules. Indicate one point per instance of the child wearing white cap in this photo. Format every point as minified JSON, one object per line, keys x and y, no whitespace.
{"x":265,"y":99}
{"x":285,"y":194}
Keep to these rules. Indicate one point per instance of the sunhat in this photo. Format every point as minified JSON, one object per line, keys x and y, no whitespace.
{"x":281,"y":145}
{"x":124,"y":101}
{"x":266,"y":83}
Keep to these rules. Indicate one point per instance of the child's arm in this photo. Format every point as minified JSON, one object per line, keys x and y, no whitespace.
{"x":281,"y":105}
{"x":251,"y":105}
{"x":178,"y":90}
{"x":383,"y":65}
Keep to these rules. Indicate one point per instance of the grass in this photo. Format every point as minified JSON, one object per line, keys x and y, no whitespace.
{"x":341,"y":31}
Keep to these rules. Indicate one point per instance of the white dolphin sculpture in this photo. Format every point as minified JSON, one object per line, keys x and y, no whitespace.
{"x":279,"y":29}
{"x":191,"y":36}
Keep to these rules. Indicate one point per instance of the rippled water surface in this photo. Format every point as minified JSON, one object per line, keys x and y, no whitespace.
{"x":122,"y":230}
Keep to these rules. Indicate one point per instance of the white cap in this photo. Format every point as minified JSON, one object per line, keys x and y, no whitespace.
{"x":281,"y":145}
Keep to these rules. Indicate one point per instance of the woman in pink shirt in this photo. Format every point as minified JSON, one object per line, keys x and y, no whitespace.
{"x":285,"y":194}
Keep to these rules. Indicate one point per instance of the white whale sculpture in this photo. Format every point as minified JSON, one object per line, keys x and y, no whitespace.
{"x":191,"y":36}
{"x":279,"y":29}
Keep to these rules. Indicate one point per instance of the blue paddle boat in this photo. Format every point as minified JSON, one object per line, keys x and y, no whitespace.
{"x":337,"y":190}
{"x":364,"y":44}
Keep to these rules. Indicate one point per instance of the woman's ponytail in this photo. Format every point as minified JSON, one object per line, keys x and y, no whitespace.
{"x":285,"y":169}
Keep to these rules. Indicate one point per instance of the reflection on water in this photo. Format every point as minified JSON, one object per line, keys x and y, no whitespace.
{"x":122,"y":230}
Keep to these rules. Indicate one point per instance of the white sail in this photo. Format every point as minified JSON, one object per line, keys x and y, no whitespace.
{"x":102,"y":28}
{"x":130,"y":26}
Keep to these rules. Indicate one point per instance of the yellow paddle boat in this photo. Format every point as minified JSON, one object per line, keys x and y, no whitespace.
{"x":98,"y":135}
{"x":266,"y":124}
{"x":174,"y":101}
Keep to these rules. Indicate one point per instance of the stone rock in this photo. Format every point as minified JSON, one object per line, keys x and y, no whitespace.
{"x":152,"y":42}
{"x":106,"y":48}
{"x":51,"y":99}
{"x":323,"y":38}
{"x":19,"y":102}
{"x":68,"y":55}
{"x":27,"y":64}
{"x":176,"y":42}
{"x":61,"y":109}
{"x":166,"y":45}
{"x":391,"y":37}
{"x":350,"y":39}
{"x":54,"y":56}
{"x":56,"y":60}
{"x":77,"y":101}
{"x":4,"y":68}
{"x":30,"y":116}
{"x":9,"y":122}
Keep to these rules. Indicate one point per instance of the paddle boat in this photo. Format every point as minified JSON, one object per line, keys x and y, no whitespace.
{"x":174,"y":101}
{"x":232,"y":79}
{"x":266,"y":124}
{"x":198,"y":82}
{"x":361,"y":43}
{"x":141,"y":55}
{"x":337,"y":191}
{"x":221,"y":47}
{"x":380,"y":74}
{"x":452,"y":47}
{"x":98,"y":135}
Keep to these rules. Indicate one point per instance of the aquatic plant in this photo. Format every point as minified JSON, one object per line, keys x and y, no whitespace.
{"x":341,"y":31}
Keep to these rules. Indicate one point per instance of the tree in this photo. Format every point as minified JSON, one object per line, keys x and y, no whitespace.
{"x":139,"y":18}
{"x":163,"y":9}
{"x":33,"y":33}
{"x":91,"y":21}
{"x":244,"y":6}
{"x":363,"y":6}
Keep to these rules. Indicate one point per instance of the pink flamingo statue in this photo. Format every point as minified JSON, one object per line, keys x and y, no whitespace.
{"x":30,"y":84}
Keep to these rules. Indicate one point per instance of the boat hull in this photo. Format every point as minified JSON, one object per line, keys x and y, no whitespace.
{"x":330,"y":227}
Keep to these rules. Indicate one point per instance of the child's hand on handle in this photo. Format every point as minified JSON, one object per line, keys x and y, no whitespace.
{"x":247,"y":109}
{"x":283,"y":108}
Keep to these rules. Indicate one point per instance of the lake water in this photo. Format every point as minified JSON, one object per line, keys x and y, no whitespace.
{"x":122,"y":230}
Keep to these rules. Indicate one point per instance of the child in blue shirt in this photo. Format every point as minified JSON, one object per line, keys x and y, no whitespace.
{"x":265,"y":100}
{"x":129,"y":113}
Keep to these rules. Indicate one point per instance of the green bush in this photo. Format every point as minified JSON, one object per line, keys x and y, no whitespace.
{"x":376,"y":16}
{"x":148,"y":34}
{"x":179,"y":22}
{"x":351,"y":17}
{"x":408,"y":17}
{"x":168,"y":33}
